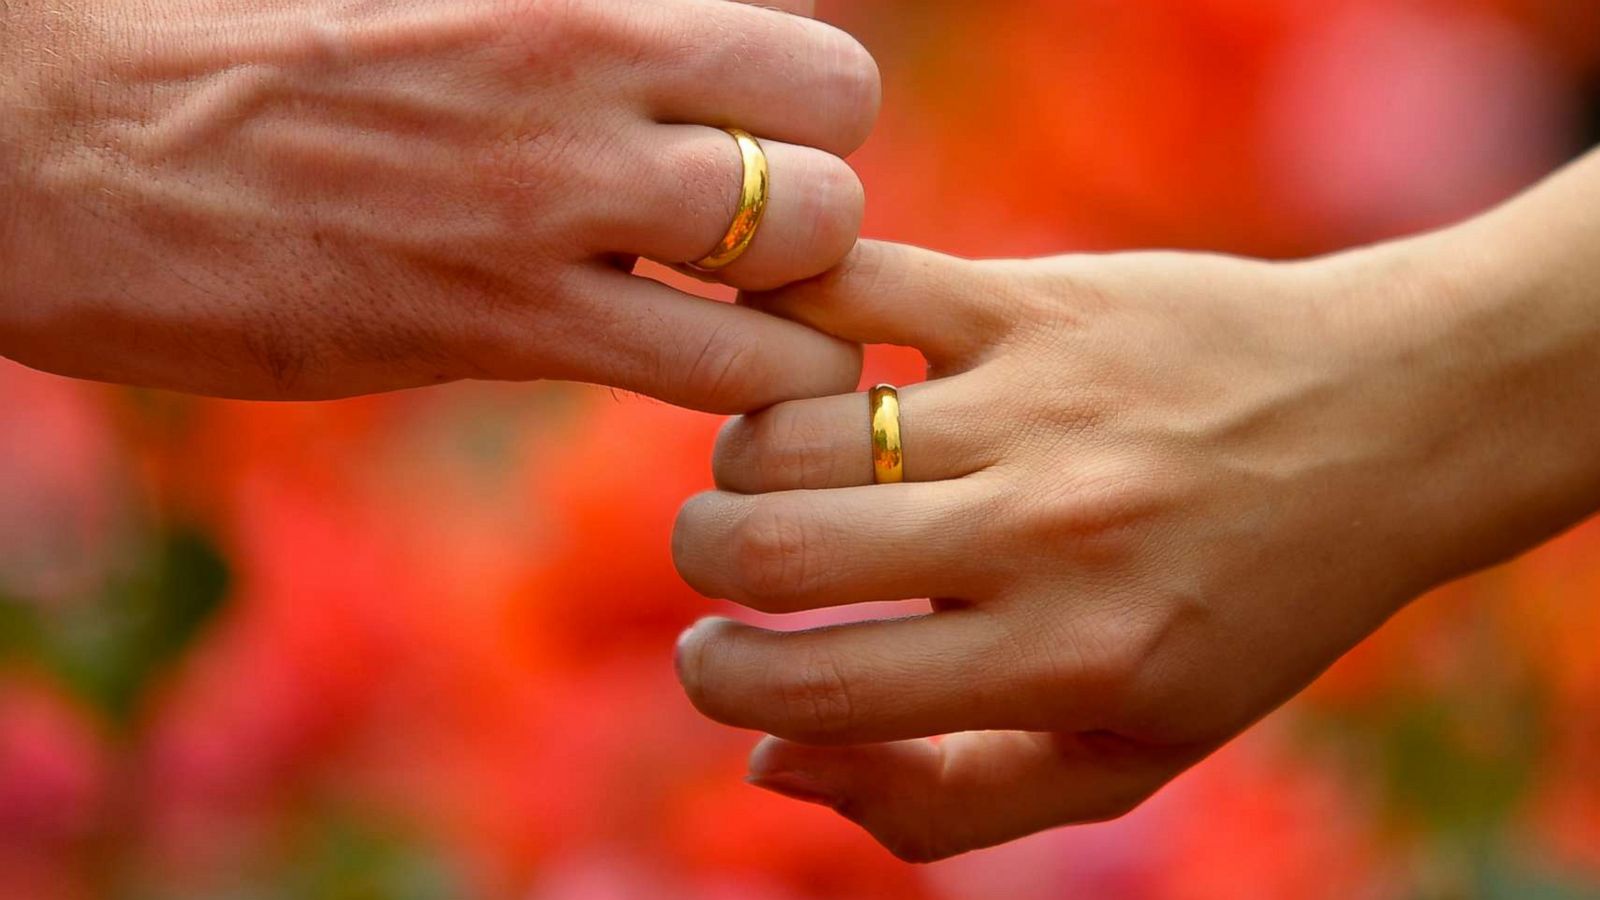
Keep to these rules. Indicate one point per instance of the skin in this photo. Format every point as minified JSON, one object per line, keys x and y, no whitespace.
{"x":298,"y":201}
{"x":1156,"y":494}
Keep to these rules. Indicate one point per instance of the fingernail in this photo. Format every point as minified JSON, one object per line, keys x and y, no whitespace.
{"x":797,"y":786}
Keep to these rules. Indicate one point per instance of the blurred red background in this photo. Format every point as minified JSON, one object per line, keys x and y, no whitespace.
{"x":418,"y":645}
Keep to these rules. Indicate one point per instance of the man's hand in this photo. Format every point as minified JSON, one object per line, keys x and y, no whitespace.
{"x":1156,"y":495}
{"x":298,"y":200}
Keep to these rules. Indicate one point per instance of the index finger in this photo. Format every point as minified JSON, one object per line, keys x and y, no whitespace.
{"x":954,"y":310}
{"x":637,"y":334}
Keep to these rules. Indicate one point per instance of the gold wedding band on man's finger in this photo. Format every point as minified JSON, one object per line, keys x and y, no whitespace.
{"x":753,"y":192}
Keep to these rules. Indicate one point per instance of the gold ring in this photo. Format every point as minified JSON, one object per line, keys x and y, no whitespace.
{"x":752,"y":206}
{"x":887,"y":459}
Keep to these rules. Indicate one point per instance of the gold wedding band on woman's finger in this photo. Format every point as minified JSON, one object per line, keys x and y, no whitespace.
{"x":752,"y":206}
{"x":887,"y":459}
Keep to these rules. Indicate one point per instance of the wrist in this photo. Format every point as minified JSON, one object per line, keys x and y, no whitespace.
{"x":1490,"y":355}
{"x":1536,"y":324}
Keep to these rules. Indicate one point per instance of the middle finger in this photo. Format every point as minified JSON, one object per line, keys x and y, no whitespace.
{"x":789,"y":77}
{"x":796,"y":550}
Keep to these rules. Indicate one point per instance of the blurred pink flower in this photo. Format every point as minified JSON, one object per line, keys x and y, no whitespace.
{"x":1387,"y":118}
{"x":51,"y":767}
{"x":1267,"y":820}
{"x":52,"y":792}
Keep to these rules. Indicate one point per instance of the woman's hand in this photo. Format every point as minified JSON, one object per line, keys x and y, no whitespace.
{"x":305,"y":200}
{"x":1153,"y":495}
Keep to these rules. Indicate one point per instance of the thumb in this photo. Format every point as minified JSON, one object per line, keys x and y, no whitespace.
{"x":932,"y":798}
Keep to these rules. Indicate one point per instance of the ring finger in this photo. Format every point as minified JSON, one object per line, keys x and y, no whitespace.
{"x":827,"y":442}
{"x":679,"y":190}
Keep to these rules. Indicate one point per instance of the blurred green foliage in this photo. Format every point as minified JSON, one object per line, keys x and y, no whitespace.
{"x":109,"y":648}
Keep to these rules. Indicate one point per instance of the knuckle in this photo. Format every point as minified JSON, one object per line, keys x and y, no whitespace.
{"x":549,"y":35}
{"x":790,"y":450}
{"x":854,"y":81}
{"x":1107,"y":657}
{"x":696,"y":657}
{"x":690,"y":664}
{"x":1015,"y":307}
{"x":770,"y":555}
{"x":689,"y":537}
{"x":518,"y":172}
{"x":732,"y":456}
{"x":328,"y":41}
{"x":719,"y":372}
{"x":838,"y":206}
{"x":860,"y":273}
{"x":704,"y":175}
{"x":814,"y":697}
{"x":1091,"y":665}
{"x":501,"y":331}
{"x":1163,"y":690}
{"x":1099,"y":519}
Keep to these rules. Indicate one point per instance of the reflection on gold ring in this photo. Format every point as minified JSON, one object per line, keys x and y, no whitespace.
{"x":752,"y":206}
